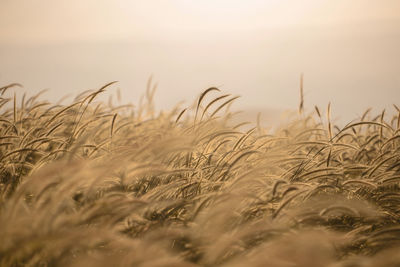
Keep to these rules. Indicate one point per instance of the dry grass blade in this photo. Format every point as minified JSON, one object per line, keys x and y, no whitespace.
{"x":383,"y":125}
{"x":340,"y":208}
{"x":55,"y":127}
{"x":245,"y":154}
{"x":286,"y":202}
{"x":112,"y":124}
{"x":180,"y":115}
{"x":364,"y":182}
{"x":17,"y":151}
{"x":211,"y":103}
{"x":31,"y":100}
{"x":202,"y":97}
{"x":223,"y":105}
{"x":5,"y":88}
{"x":328,"y":114}
{"x":92,"y":96}
{"x":301,"y":105}
{"x":328,"y":159}
{"x":243,"y":138}
{"x":328,"y":169}
{"x":60,"y":112}
{"x":378,"y":165}
{"x":37,"y":106}
{"x":9,"y":137}
{"x":381,"y":129}
{"x":122,"y":186}
{"x":391,"y":179}
{"x":398,"y":118}
{"x":15,"y":108}
{"x":318,"y":112}
{"x":365,"y":114}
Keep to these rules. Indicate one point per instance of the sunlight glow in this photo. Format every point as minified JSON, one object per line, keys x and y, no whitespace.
{"x":77,"y":20}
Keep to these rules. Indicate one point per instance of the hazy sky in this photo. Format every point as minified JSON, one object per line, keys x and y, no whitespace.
{"x":27,"y":21}
{"x":347,"y":49}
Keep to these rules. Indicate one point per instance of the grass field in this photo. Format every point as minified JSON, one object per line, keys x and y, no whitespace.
{"x":92,"y":184}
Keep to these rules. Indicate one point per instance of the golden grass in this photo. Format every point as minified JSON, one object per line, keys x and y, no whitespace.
{"x":90,"y":184}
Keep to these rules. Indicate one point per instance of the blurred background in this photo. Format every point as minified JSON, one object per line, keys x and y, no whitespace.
{"x":349,"y":51}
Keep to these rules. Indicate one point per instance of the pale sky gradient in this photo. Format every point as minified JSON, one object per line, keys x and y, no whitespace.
{"x":347,"y":49}
{"x":45,"y":21}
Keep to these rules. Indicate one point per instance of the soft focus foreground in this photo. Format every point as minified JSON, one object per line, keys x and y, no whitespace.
{"x":91,"y":184}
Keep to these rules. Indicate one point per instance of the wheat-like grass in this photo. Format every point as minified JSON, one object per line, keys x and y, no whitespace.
{"x":91,"y":184}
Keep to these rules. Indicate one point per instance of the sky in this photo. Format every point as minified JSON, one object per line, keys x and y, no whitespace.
{"x":348,"y":50}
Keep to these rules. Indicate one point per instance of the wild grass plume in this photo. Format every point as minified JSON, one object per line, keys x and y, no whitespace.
{"x":92,"y":184}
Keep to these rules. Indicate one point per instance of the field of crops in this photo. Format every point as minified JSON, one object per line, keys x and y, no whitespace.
{"x":92,"y":184}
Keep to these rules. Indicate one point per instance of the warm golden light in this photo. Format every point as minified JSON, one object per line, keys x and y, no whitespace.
{"x":50,"y":21}
{"x":261,"y":46}
{"x":197,"y":133}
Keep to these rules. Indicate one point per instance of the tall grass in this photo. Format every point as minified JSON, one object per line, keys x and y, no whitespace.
{"x":90,"y":184}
